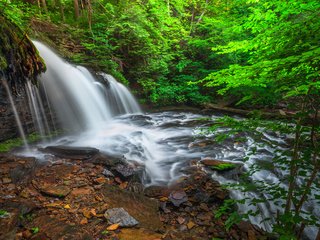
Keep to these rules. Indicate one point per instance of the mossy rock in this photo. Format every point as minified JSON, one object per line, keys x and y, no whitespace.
{"x":219,"y":165}
{"x":224,"y":166}
{"x":19,"y":59}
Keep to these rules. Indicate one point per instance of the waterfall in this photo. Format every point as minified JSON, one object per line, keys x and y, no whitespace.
{"x":80,"y":101}
{"x":16,"y":115}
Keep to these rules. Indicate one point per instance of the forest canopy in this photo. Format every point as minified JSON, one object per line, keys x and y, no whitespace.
{"x":190,"y":52}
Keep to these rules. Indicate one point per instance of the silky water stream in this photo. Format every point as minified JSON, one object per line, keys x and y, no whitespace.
{"x":97,"y":111}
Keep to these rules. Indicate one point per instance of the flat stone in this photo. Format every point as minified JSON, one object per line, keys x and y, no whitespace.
{"x":213,"y":162}
{"x":156,"y":191}
{"x":235,"y":168}
{"x":140,"y":234}
{"x":178,"y":197}
{"x":81,"y":191}
{"x":6,"y":180}
{"x":71,"y":152}
{"x":120,"y":216}
{"x":56,"y":191}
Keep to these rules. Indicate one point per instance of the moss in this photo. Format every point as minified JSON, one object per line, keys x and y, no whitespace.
{"x":19,"y":59}
{"x":10,"y":144}
{"x":224,"y":166}
{"x":3,"y":62}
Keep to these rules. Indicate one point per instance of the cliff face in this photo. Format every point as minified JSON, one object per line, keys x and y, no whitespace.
{"x":19,"y":61}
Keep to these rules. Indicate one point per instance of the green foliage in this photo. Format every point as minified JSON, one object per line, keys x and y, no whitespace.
{"x":298,"y":157}
{"x":35,"y":230}
{"x":3,"y":213}
{"x":10,"y":144}
{"x":228,"y":208}
{"x":282,"y":49}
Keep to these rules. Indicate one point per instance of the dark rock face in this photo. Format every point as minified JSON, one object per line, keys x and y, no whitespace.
{"x":19,"y":61}
{"x":8,"y":126}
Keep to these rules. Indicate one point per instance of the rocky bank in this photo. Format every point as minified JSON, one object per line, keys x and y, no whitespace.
{"x":86,"y":195}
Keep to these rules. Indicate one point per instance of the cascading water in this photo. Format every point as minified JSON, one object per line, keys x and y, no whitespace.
{"x":76,"y":95}
{"x":38,"y":112}
{"x":16,"y":115}
{"x":100,"y":112}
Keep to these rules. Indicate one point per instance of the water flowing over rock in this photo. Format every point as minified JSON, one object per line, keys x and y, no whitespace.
{"x":79,"y":99}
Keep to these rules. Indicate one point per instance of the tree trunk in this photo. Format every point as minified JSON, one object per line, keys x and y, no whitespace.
{"x":44,"y":6}
{"x":61,"y":8}
{"x":76,"y":9}
{"x":90,"y":16}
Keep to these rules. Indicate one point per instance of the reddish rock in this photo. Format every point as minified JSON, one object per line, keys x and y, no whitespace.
{"x":56,"y":191}
{"x":81,"y":191}
{"x":143,"y":209}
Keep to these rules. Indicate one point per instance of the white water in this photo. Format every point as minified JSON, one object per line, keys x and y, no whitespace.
{"x":76,"y":95}
{"x":16,"y":115}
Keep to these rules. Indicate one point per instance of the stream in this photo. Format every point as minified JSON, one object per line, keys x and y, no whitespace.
{"x":97,"y":111}
{"x":167,"y":143}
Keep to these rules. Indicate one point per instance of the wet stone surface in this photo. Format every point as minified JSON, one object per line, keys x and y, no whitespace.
{"x":69,"y":198}
{"x":121,"y":217}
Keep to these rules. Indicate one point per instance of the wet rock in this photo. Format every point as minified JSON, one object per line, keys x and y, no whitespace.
{"x":57,"y":229}
{"x":8,"y":225}
{"x":181,"y":220}
{"x":105,"y":160}
{"x":124,"y":170}
{"x":138,"y":234}
{"x":251,"y":235}
{"x":15,"y":212}
{"x":6,"y":180}
{"x":59,"y":191}
{"x":71,"y":152}
{"x":204,"y":207}
{"x":178,"y":197}
{"x":143,"y":209}
{"x":107,"y":173}
{"x":120,"y":216}
{"x":81,"y":191}
{"x":156,"y":191}
{"x":190,"y":224}
{"x":232,"y":168}
{"x":135,"y":187}
{"x":163,"y":207}
{"x":245,"y":226}
{"x":183,"y":228}
{"x":23,"y":169}
{"x":220,"y":194}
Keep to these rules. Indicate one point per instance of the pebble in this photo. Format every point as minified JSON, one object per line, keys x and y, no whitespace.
{"x":6,"y":180}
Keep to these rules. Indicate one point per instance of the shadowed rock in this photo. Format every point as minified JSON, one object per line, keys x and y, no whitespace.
{"x":71,"y":152}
